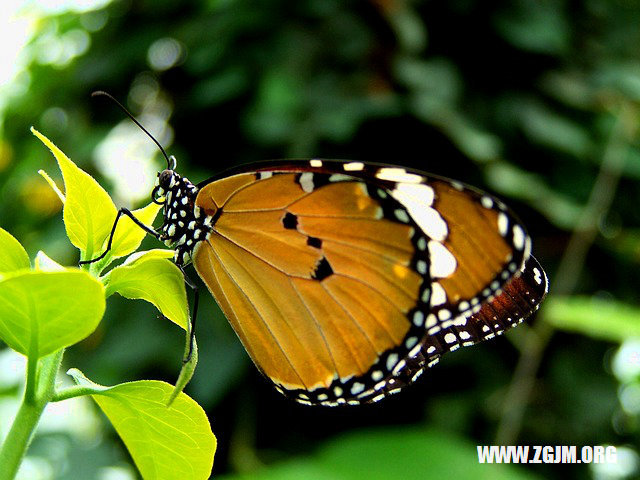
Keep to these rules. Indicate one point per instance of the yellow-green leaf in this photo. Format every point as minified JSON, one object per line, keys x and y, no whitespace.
{"x":385,"y":453}
{"x":42,"y":312}
{"x":89,"y":212}
{"x":596,"y":317}
{"x":128,"y":235}
{"x":155,"y":280}
{"x":52,"y":184}
{"x":12,"y":255}
{"x":166,"y":443}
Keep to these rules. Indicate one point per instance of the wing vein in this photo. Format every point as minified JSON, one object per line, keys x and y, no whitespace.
{"x":324,"y":339}
{"x":355,"y":322}
{"x":258,"y":314}
{"x":374,"y":289}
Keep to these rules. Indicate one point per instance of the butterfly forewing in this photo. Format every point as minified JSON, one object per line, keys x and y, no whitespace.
{"x":344,"y":280}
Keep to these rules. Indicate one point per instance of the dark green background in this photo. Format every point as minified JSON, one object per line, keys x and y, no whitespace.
{"x":530,"y":100}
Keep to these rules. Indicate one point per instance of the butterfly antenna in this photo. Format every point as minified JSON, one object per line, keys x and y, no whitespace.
{"x":100,"y":93}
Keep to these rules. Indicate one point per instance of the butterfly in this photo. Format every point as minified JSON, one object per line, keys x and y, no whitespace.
{"x":345,"y":280}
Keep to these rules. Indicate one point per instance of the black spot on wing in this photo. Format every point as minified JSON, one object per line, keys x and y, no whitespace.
{"x":314,"y":242}
{"x":323,"y":270}
{"x":290,"y":221}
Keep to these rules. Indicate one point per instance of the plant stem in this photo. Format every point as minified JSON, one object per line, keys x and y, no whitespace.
{"x":18,"y":439}
{"x":73,"y":392}
{"x":38,"y":392}
{"x":31,"y":381}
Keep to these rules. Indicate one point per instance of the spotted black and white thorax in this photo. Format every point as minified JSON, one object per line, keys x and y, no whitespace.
{"x":184,"y":223}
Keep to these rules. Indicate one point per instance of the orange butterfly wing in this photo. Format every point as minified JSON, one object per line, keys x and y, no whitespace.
{"x":345,"y":280}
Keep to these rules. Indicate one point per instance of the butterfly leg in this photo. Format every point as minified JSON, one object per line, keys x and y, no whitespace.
{"x":127,"y":212}
{"x":196,"y":296}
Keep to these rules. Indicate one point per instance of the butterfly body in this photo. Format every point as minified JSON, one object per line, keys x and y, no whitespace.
{"x":345,"y":280}
{"x":183,"y":225}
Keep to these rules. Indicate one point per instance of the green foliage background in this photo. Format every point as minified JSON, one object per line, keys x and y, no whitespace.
{"x":537,"y":102}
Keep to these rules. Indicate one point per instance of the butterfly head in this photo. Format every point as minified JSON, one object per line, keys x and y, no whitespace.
{"x":184,"y":224}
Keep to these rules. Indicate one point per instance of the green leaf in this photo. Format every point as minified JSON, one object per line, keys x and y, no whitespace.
{"x":12,"y":255}
{"x":543,"y":125}
{"x":89,"y":212}
{"x":165,"y":443}
{"x":156,"y":280}
{"x":596,"y":317}
{"x":53,"y":185}
{"x":128,"y":235}
{"x":387,"y":453}
{"x":399,"y":453}
{"x":42,"y":312}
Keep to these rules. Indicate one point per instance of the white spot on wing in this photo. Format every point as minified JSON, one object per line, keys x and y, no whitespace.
{"x":518,"y":237}
{"x":306,"y":182}
{"x":407,"y":193}
{"x":421,"y":266}
{"x":527,"y":246}
{"x":315,"y":163}
{"x":503,"y":223}
{"x":401,"y":215}
{"x":426,"y":293}
{"x":392,"y":359}
{"x":353,"y":166}
{"x":339,"y":177}
{"x":417,"y":199}
{"x":450,"y":338}
{"x":356,"y":388}
{"x":438,"y":295}
{"x":537,"y":276}
{"x":486,"y":202}
{"x":443,"y":263}
{"x":401,"y":364}
{"x":411,"y":341}
{"x":398,"y":175}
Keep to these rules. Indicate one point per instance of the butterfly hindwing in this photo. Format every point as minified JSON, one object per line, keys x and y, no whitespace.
{"x":344,"y":280}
